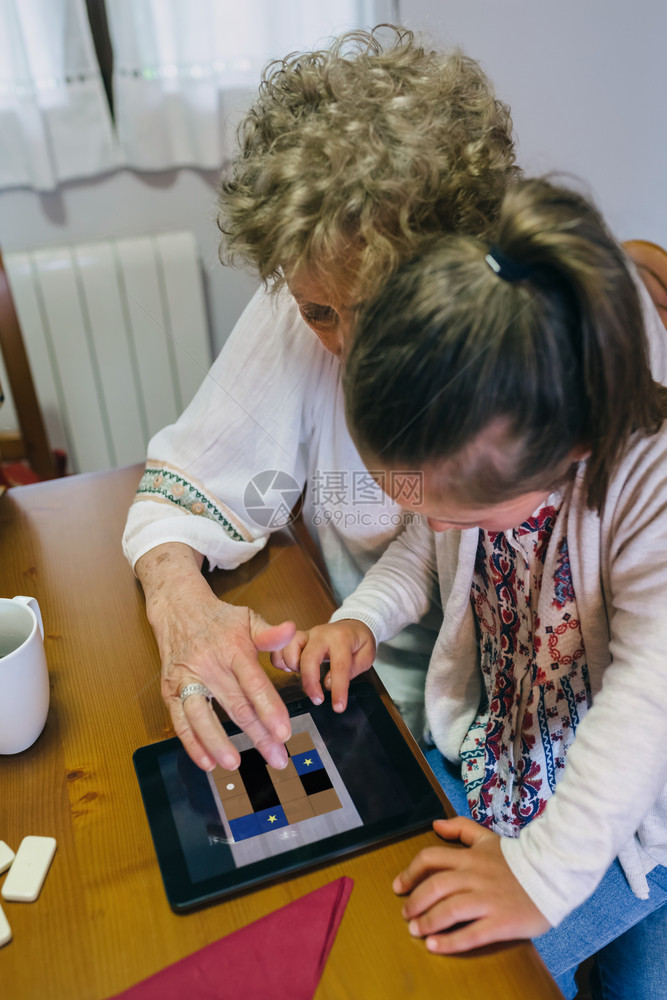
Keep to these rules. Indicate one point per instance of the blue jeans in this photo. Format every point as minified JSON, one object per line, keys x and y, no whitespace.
{"x":629,"y":935}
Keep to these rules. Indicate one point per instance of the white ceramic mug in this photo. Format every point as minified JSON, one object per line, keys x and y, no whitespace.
{"x":24,"y":677}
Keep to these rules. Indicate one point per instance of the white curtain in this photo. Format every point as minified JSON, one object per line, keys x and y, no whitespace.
{"x":184,"y":68}
{"x":54,"y":118}
{"x":183,"y":71}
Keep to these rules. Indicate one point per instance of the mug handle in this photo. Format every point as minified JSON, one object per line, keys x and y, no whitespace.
{"x":31,"y":603}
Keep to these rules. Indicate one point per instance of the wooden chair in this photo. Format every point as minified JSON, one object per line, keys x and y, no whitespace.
{"x":32,"y":443}
{"x":650,"y":259}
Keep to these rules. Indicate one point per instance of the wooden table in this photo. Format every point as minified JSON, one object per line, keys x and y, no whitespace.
{"x":102,"y":921}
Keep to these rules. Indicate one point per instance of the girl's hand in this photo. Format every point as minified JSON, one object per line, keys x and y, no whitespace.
{"x":348,"y":645}
{"x":448,"y":886}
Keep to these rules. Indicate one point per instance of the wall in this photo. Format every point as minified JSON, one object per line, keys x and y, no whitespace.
{"x":586,"y":83}
{"x":131,"y":204}
{"x":127,"y":203}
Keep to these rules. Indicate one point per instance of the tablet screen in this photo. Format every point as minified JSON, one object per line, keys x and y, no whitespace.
{"x":351,"y":781}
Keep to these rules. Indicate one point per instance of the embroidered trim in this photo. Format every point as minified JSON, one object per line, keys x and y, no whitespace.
{"x":159,"y":481}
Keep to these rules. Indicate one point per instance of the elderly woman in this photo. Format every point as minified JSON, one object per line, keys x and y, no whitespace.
{"x":349,"y":160}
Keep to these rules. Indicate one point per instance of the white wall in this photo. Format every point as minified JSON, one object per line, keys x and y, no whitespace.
{"x":131,"y":204}
{"x":587,"y":84}
{"x":127,"y":203}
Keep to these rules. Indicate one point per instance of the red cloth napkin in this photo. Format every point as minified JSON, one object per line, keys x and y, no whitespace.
{"x":281,"y":955}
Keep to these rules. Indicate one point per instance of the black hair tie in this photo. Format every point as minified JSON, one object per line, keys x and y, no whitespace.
{"x":506,"y":267}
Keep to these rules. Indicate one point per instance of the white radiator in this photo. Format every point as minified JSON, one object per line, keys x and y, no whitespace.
{"x":117,"y":338}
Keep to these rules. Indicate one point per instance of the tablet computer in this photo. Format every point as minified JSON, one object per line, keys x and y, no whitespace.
{"x":351,"y":782}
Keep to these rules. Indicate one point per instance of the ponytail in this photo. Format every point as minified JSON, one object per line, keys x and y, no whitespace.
{"x":540,"y":333}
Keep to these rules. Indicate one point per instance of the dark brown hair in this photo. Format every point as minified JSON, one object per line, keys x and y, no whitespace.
{"x":553,"y":353}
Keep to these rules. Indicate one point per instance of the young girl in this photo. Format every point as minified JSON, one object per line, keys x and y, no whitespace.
{"x":503,"y":393}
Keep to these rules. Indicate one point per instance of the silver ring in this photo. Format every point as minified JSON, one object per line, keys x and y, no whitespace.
{"x":195,"y":689}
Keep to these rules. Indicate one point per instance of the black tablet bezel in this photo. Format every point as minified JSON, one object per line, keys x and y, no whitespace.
{"x":184,"y":894}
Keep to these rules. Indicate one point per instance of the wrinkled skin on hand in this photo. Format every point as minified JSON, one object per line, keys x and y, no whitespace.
{"x":202,"y":639}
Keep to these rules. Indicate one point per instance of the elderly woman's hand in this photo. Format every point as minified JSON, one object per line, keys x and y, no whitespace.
{"x":204,"y":641}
